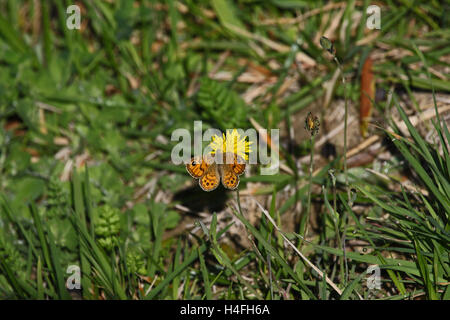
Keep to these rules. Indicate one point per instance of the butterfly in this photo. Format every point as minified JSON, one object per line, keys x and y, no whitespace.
{"x":312,"y":124}
{"x":209,"y":173}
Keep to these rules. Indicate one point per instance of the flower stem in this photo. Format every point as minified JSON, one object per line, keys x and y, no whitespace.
{"x":345,"y":126}
{"x":328,"y":45}
{"x":308,"y":208}
{"x":349,"y":201}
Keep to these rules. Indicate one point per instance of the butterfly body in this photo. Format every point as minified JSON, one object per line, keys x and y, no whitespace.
{"x":210,"y":172}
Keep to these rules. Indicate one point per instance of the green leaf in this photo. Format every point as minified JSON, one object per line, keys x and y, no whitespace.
{"x":352,"y":285}
{"x":227,"y":13}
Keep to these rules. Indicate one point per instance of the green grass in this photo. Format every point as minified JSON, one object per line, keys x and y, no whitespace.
{"x":86,"y":177}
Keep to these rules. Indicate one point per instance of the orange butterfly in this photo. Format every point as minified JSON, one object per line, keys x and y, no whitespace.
{"x":209,"y":172}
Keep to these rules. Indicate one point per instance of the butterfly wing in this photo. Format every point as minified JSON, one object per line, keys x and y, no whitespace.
{"x":230,"y":180}
{"x":197,"y":167}
{"x":231,"y":171}
{"x":238,"y":165}
{"x":204,"y":169}
{"x":210,"y":180}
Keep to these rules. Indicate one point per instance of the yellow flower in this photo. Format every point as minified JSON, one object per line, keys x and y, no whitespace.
{"x":231,"y":142}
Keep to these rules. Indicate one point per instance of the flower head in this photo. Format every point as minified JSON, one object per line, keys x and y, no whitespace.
{"x":312,"y":124}
{"x":231,"y":142}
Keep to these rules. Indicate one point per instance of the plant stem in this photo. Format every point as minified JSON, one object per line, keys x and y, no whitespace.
{"x":328,"y":45}
{"x":345,"y":165}
{"x":344,"y":256}
{"x":239,"y":201}
{"x":308,"y":208}
{"x":339,"y":242}
{"x":345,"y":126}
